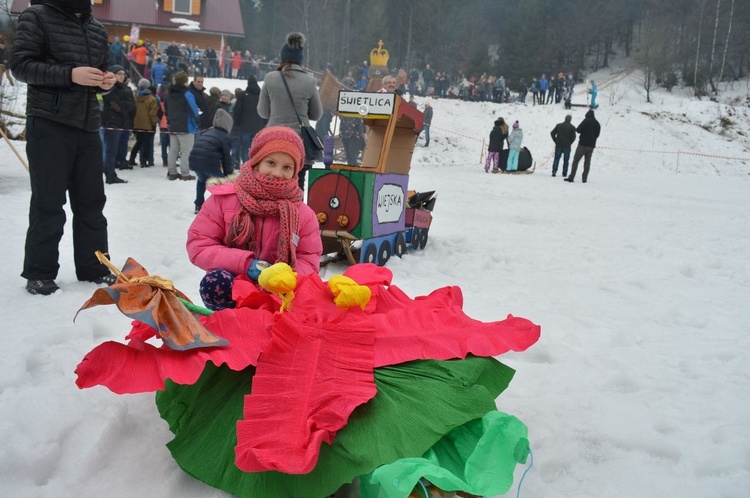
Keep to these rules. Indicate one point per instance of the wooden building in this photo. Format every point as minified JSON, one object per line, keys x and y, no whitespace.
{"x":195,"y":22}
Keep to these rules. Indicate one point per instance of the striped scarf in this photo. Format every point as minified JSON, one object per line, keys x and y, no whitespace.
{"x":265,"y":196}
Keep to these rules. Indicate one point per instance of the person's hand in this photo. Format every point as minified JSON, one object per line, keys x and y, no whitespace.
{"x":109,"y":81}
{"x":257,"y":266}
{"x":87,"y":76}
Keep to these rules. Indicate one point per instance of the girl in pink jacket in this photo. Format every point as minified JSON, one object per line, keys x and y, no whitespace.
{"x":258,"y":220}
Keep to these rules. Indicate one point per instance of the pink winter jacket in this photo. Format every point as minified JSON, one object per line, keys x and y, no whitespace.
{"x":205,"y":243}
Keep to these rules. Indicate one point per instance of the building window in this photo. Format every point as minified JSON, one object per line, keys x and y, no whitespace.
{"x":182,"y":7}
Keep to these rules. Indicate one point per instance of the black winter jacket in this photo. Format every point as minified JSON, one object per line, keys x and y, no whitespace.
{"x":212,"y":151}
{"x":119,"y":107}
{"x":588,"y":130}
{"x":200,"y":101}
{"x":564,"y":134}
{"x":177,"y":109}
{"x":50,"y":42}
{"x":497,"y":139}
{"x":245,"y":113}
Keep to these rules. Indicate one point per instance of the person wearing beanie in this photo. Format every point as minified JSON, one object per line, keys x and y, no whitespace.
{"x":564,"y":134}
{"x":211,"y":156}
{"x":588,"y":132}
{"x":256,"y":221}
{"x":211,"y":103}
{"x":146,"y":110}
{"x":65,"y":68}
{"x":247,"y":119}
{"x":117,"y":119}
{"x":274,"y":103}
{"x":514,"y":146}
{"x":498,"y":137}
{"x":183,"y":116}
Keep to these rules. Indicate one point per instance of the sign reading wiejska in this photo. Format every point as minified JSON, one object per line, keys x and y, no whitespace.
{"x":390,"y":204}
{"x":364,"y":104}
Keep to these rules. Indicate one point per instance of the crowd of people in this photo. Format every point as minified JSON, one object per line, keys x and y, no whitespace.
{"x":143,"y":59}
{"x":484,"y":88}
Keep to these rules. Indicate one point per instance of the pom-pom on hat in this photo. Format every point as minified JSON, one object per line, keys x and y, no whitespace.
{"x":292,"y":50}
{"x":278,"y":139}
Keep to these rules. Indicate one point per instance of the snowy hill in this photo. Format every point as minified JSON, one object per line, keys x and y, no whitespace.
{"x":640,"y":280}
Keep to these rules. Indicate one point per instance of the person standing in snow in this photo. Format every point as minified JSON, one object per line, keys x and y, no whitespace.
{"x":564,"y":134}
{"x":211,"y":156}
{"x":64,"y":68}
{"x":274,"y":103}
{"x":498,"y":136}
{"x":593,"y":91}
{"x":588,"y":130}
{"x":515,"y":140}
{"x":426,"y":122}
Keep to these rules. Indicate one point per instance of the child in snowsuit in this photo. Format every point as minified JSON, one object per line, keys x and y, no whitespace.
{"x":211,"y":156}
{"x":516,"y":137}
{"x":498,"y":136}
{"x":258,"y":220}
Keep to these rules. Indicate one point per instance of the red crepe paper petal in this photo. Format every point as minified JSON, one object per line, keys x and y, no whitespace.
{"x":246,"y":294}
{"x":141,"y":367}
{"x":308,"y":382}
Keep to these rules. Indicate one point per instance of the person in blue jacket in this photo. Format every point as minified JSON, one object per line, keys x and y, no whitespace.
{"x":158,"y":69}
{"x":593,"y":93}
{"x":182,"y":116}
{"x":115,"y":48}
{"x":514,"y":142}
{"x":543,"y":88}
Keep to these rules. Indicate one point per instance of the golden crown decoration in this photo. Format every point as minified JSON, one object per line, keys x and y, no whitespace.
{"x":379,"y":56}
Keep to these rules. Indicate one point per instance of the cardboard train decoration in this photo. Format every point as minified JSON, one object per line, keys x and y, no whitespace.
{"x":367,"y":212}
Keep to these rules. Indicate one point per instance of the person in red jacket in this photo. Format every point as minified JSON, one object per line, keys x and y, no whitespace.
{"x":259,"y":220}
{"x":236,"y":64}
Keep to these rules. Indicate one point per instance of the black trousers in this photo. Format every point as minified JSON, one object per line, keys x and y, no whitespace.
{"x":64,"y":159}
{"x":582,"y":151}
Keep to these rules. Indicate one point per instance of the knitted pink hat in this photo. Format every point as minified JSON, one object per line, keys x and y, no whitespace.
{"x":278,"y":139}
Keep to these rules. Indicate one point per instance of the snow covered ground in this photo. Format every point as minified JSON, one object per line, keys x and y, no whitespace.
{"x":640,"y":279}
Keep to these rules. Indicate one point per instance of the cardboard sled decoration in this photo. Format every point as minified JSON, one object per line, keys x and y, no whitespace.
{"x":371,"y":202}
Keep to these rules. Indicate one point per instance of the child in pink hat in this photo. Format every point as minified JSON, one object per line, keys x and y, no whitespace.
{"x":256,"y":221}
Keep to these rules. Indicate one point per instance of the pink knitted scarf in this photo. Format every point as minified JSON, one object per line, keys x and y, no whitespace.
{"x":265,"y":196}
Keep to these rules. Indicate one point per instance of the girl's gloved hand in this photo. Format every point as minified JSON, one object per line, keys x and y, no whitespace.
{"x":256,"y":266}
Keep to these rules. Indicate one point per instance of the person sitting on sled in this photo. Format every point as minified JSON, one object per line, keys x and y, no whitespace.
{"x":259,"y":220}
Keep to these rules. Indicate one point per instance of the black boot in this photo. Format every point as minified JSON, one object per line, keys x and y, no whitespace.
{"x":41,"y":287}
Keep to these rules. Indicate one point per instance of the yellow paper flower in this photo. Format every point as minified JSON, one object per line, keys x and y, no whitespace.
{"x":348,"y":293}
{"x":280,"y":280}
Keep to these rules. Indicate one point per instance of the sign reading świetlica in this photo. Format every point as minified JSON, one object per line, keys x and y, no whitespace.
{"x":358,"y":104}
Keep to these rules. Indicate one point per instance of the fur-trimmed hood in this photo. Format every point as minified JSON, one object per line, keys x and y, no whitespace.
{"x":222,"y":180}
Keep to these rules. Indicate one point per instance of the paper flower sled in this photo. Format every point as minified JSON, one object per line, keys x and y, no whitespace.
{"x":294,"y":395}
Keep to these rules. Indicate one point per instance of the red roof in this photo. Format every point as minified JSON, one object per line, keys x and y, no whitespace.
{"x":217,"y":16}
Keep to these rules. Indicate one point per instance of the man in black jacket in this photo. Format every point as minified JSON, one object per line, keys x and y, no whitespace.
{"x":589,"y":131}
{"x":564,"y":134}
{"x":246,"y":117}
{"x":199,"y":92}
{"x":62,"y":53}
{"x":116,"y":118}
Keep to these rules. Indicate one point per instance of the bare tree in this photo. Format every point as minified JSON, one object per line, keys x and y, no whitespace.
{"x":713,"y":49}
{"x":696,"y":86}
{"x":726,"y":42}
